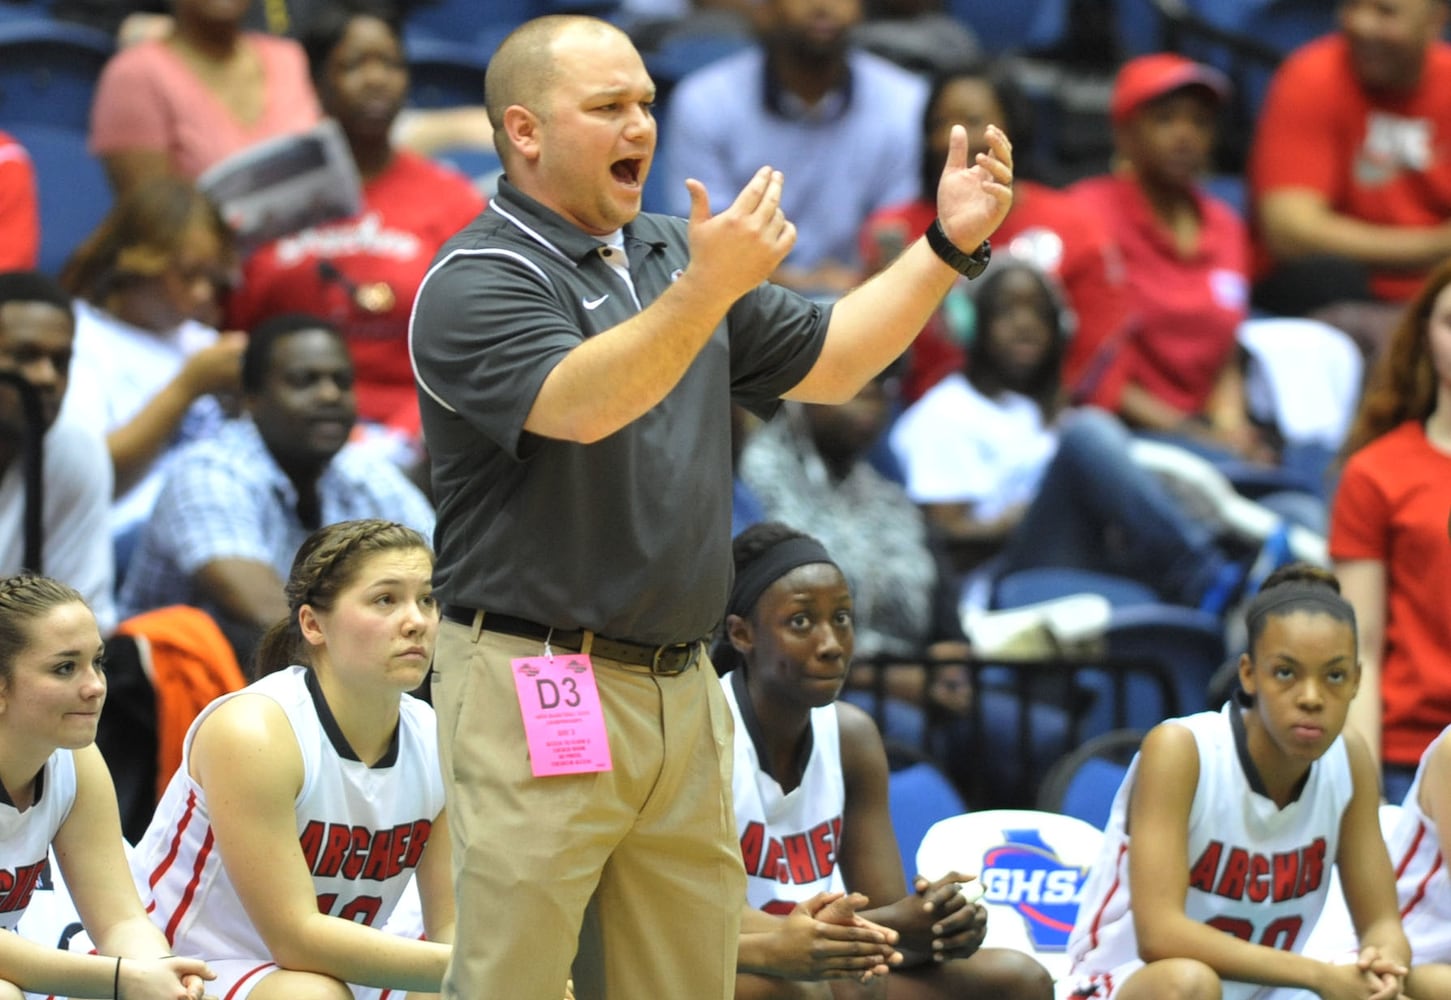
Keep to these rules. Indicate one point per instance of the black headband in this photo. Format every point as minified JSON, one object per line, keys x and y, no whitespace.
{"x":1298,"y":593}
{"x":770,"y":566}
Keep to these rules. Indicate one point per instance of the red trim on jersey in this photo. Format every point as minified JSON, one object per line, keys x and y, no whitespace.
{"x":175,"y":848}
{"x":1098,"y":916}
{"x":1411,"y":851}
{"x":1421,"y":886}
{"x":196,"y":876}
{"x":232,"y":993}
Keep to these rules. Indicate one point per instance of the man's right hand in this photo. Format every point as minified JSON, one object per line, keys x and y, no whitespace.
{"x":740,"y":247}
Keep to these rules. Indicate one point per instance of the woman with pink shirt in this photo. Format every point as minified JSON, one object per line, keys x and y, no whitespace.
{"x":204,"y":91}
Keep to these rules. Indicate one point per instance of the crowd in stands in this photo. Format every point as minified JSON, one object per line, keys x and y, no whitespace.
{"x":181,"y":412}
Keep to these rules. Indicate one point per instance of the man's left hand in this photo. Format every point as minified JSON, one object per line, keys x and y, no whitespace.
{"x":973,"y":199}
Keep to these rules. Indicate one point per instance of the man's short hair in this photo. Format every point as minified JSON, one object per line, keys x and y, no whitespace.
{"x":522,"y":71}
{"x":33,"y":286}
{"x":257,"y":357}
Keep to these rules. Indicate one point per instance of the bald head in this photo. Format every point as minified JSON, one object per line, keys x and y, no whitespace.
{"x":523,"y":70}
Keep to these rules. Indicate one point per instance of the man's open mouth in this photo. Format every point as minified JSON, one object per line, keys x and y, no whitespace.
{"x":627,"y":171}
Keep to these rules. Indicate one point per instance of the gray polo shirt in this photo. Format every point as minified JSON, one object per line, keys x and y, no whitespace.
{"x":629,"y":536}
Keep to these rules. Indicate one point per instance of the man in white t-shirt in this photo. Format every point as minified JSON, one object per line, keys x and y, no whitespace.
{"x":37,"y":333}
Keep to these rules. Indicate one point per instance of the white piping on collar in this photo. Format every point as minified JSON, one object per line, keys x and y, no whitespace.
{"x":518,"y":223}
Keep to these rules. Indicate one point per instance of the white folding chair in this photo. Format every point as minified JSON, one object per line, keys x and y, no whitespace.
{"x":1032,"y":866}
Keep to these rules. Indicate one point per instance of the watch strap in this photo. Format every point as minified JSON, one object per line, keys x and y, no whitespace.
{"x":970,"y":265}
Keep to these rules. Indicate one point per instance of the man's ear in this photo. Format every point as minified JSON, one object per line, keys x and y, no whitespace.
{"x":522,"y":127}
{"x":738,"y":630}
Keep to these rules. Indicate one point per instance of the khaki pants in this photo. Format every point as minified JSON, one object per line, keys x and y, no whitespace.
{"x":653,"y":840}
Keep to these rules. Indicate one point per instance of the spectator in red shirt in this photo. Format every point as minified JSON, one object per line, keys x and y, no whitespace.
{"x":361,"y":273}
{"x":1186,"y":257}
{"x":1352,"y":154}
{"x":19,"y":212}
{"x":1388,"y":537}
{"x":1045,"y":227}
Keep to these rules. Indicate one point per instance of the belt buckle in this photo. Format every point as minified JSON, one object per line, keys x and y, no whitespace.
{"x":675,"y":658}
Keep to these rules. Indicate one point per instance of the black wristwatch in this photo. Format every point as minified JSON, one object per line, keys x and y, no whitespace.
{"x":969,"y":265}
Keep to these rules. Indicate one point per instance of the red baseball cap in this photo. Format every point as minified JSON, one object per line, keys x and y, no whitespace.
{"x":1147,"y":78}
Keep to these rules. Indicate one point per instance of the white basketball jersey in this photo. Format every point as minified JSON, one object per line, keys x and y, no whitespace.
{"x":25,"y":836}
{"x":362,"y":829}
{"x":1255,"y":871}
{"x":789,"y":839}
{"x":1421,"y":879}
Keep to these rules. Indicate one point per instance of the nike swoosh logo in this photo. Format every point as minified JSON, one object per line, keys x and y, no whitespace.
{"x":593,"y":304}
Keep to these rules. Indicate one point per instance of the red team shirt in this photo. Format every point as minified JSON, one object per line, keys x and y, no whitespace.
{"x":1390,"y":506}
{"x":362,"y":274}
{"x":1186,"y":307}
{"x":1382,"y":158}
{"x":19,"y":213}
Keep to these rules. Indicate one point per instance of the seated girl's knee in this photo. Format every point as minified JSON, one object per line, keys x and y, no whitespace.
{"x":1184,"y":979}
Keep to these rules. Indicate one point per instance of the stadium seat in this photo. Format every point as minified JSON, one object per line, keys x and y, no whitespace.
{"x":73,"y":190}
{"x":481,"y":166}
{"x":443,"y":73}
{"x":1026,"y":26}
{"x":1166,"y":641}
{"x":1046,"y":583}
{"x":48,"y":72}
{"x":462,"y":20}
{"x":1032,"y":865}
{"x":1186,"y":642}
{"x":918,"y":795}
{"x":1084,"y":781}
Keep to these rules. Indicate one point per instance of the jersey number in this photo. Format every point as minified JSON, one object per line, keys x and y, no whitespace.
{"x":1280,"y":934}
{"x":361,"y":910}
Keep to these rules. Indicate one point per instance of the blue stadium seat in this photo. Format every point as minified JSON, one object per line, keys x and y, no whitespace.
{"x":74,"y":193}
{"x":442,"y":72}
{"x":919,"y":795}
{"x":1176,"y":646}
{"x":1083,"y":782}
{"x":1187,"y":642}
{"x":48,"y":72}
{"x":1025,"y":26}
{"x":461,"y":20}
{"x":1046,"y":583}
{"x":482,"y":166}
{"x":684,"y":52}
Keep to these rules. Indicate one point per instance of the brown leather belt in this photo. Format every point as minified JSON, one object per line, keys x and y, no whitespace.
{"x":675,"y":658}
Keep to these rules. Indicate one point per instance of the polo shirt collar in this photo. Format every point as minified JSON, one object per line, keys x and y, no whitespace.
{"x":550,"y":229}
{"x":282,"y":485}
{"x":1141,"y":217}
{"x":784,"y":104}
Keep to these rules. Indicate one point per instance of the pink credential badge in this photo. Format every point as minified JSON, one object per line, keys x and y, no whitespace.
{"x":563,"y":721}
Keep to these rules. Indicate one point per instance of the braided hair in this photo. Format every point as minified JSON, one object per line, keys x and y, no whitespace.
{"x":324,"y":566}
{"x":25,"y":598}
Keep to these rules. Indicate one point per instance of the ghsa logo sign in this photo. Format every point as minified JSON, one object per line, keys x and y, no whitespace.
{"x":1026,"y":874}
